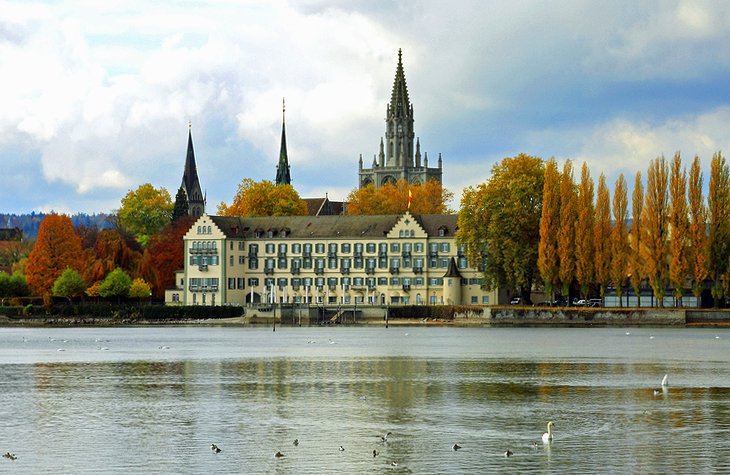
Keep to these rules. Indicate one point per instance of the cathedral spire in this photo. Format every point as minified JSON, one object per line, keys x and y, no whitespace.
{"x":190,"y":181}
{"x":400,"y":105}
{"x":283,"y":174}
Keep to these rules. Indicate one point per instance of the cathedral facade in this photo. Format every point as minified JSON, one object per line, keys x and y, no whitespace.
{"x":399,"y":157}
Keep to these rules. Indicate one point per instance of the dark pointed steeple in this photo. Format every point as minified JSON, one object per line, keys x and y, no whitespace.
{"x":283,"y":174}
{"x":190,"y":181}
{"x":400,"y":105}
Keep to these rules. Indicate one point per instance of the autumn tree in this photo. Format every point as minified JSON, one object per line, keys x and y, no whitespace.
{"x":584,"y":232}
{"x":164,"y":255}
{"x":112,"y":249}
{"x":139,"y":289}
{"x":655,"y":227}
{"x":718,"y":205}
{"x":679,"y":228}
{"x":499,"y":222}
{"x":601,"y":236}
{"x":69,"y":284}
{"x":392,"y":198}
{"x":619,"y":238}
{"x":635,"y":257}
{"x":57,"y":247}
{"x":697,"y":250}
{"x":264,"y":198}
{"x":566,"y":239}
{"x":145,"y":211}
{"x":180,"y":208}
{"x":548,"y":258}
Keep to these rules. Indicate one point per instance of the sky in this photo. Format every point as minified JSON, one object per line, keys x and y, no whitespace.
{"x":96,"y":97}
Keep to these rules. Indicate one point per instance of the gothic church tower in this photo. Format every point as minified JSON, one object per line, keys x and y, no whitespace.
{"x":398,"y":158}
{"x":283,"y":173}
{"x":190,"y":182}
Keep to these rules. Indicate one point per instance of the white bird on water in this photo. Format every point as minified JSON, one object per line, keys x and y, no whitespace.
{"x":665,"y":381}
{"x":547,"y":437}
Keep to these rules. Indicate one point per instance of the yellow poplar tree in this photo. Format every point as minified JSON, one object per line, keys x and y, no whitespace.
{"x":697,"y":230}
{"x":547,"y":259}
{"x":584,"y":270}
{"x":566,"y":237}
{"x":718,"y":204}
{"x":679,"y":228}
{"x":635,"y":257}
{"x":601,"y":236}
{"x":264,"y":198}
{"x":655,"y":227}
{"x":619,"y":238}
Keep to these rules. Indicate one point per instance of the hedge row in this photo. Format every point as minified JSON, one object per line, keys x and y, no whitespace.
{"x":122,"y":311}
{"x":440,"y":312}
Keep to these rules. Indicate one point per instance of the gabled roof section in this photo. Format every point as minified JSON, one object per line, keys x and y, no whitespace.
{"x":324,"y":206}
{"x":400,"y":105}
{"x":405,"y":223}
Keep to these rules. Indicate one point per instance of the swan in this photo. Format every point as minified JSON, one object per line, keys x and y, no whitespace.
{"x":665,"y":381}
{"x":547,"y":437}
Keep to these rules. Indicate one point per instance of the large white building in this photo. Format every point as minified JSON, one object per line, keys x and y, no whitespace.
{"x":327,"y":260}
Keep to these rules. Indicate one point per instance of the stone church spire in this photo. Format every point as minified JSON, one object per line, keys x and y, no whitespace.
{"x":283,"y":174}
{"x":190,"y":181}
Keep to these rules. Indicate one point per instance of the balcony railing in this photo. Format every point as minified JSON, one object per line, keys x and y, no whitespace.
{"x":357,"y":254}
{"x":319,"y":270}
{"x":331,"y":254}
{"x":370,"y":270}
{"x":394,"y":270}
{"x":406,"y":287}
{"x":268,"y":270}
{"x":203,"y":267}
{"x":295,"y":270}
{"x":345,"y":270}
{"x":383,"y":254}
{"x":307,"y":254}
{"x":418,"y":270}
{"x":406,"y":253}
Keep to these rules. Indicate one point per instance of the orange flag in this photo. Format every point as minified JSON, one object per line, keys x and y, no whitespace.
{"x":410,"y":197}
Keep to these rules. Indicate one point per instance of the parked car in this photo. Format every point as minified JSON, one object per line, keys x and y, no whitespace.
{"x":595,"y":303}
{"x":580,"y":302}
{"x":515,"y":301}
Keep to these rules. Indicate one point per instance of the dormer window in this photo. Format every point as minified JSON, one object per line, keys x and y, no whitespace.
{"x":258,"y":232}
{"x":442,"y":231}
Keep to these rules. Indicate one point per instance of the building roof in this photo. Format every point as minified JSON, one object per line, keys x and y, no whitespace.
{"x":324,"y":206}
{"x":399,"y":103}
{"x":11,"y":234}
{"x":190,"y":174}
{"x":453,"y":270}
{"x":307,"y":227}
{"x":283,"y":172}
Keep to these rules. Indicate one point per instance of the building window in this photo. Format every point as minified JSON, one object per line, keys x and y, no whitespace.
{"x":394,"y":281}
{"x":319,"y":248}
{"x":253,"y":250}
{"x":418,"y":247}
{"x":419,"y":280}
{"x":357,"y":281}
{"x":370,"y":247}
{"x":282,"y":263}
{"x":240,"y":283}
{"x":253,"y":264}
{"x":296,"y":248}
{"x":240,"y":246}
{"x":282,"y":248}
{"x":474,"y":299}
{"x":345,"y":248}
{"x":445,"y":247}
{"x":443,"y":263}
{"x":240,"y":259}
{"x":485,"y":299}
{"x":383,"y":248}
{"x":231,"y":283}
{"x":382,"y":281}
{"x":270,"y":248}
{"x":230,"y":260}
{"x":394,"y":247}
{"x":462,"y":263}
{"x":281,"y":282}
{"x":253,"y":282}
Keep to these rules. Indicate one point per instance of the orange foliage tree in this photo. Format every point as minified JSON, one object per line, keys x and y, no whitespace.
{"x":164,"y":255}
{"x":548,"y":257}
{"x":718,"y":214}
{"x":566,"y":241}
{"x":264,"y":198}
{"x":635,"y":256}
{"x":112,"y":249}
{"x":427,"y":198}
{"x":697,"y":229}
{"x":679,"y":228}
{"x":57,"y":248}
{"x":619,"y":238}
{"x":655,"y":227}
{"x":601,"y":236}
{"x":584,"y":232}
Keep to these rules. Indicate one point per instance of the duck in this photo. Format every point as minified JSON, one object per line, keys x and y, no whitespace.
{"x":508,"y":453}
{"x":534,"y":445}
{"x":375,"y":453}
{"x":278,"y":455}
{"x":296,"y":441}
{"x":455,"y":447}
{"x":547,"y":437}
{"x":342,"y":449}
{"x":10,"y":456}
{"x":215,"y":448}
{"x":384,"y":438}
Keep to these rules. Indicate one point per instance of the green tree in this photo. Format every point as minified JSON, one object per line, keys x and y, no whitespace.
{"x":116,"y":284}
{"x":69,"y":284}
{"x":548,"y":258}
{"x":13,"y":285}
{"x":718,"y":205}
{"x":499,"y":223}
{"x":584,"y":268}
{"x":139,"y":289}
{"x":180,"y":208}
{"x":145,"y":211}
{"x":264,"y":198}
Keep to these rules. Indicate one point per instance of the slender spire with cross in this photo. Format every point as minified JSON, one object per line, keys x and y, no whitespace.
{"x":283,"y":173}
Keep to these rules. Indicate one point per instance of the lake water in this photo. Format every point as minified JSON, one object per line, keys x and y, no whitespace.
{"x":153,"y":399}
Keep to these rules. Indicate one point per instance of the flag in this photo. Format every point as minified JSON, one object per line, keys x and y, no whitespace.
{"x":410,"y":198}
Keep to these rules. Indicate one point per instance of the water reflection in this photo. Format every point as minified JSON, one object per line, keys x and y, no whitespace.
{"x":253,"y":393}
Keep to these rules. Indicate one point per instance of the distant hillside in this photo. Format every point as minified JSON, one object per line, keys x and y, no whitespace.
{"x":29,"y":223}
